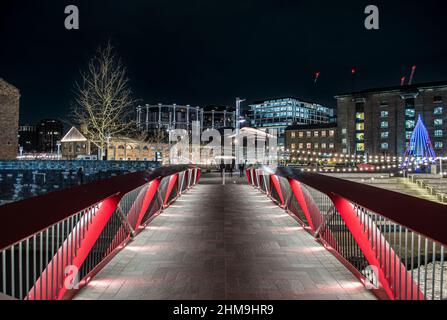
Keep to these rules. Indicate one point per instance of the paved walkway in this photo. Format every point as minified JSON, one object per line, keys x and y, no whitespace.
{"x":224,"y":242}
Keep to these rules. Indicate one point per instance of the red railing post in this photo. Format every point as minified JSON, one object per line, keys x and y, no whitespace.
{"x":248,"y":172}
{"x":274,"y":183}
{"x":172,"y":181}
{"x":97,"y":224}
{"x":298,"y":192}
{"x":150,"y":193}
{"x":356,"y":228}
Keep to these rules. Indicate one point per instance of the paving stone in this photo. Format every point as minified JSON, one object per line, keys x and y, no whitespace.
{"x":224,"y":242}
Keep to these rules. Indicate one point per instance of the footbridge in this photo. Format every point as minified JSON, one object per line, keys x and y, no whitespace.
{"x":178,"y":233}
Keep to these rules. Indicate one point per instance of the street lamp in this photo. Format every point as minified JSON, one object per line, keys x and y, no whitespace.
{"x":238,"y":127}
{"x":169,"y":136}
{"x":58,"y":144}
{"x":440,"y":166}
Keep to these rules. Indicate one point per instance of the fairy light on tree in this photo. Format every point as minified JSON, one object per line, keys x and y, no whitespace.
{"x":420,"y":147}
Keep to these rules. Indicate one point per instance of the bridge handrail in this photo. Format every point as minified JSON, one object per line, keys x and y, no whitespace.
{"x":22,"y":219}
{"x":394,"y":243}
{"x":53,"y":244}
{"x":420,"y":215}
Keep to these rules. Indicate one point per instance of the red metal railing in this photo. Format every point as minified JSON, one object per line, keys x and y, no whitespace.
{"x":52,"y":245}
{"x":394,"y":243}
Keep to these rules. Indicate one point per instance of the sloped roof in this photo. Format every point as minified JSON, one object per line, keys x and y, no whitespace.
{"x":74,"y":136}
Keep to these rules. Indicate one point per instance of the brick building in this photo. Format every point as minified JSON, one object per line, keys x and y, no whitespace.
{"x":9,"y":120}
{"x":320,"y":138}
{"x":126,"y":149}
{"x":280,"y":113}
{"x":381,"y":121}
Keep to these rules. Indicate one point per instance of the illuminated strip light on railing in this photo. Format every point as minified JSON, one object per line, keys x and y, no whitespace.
{"x":53,"y":255}
{"x":372,"y":233}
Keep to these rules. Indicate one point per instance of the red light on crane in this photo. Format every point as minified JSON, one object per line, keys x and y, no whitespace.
{"x":413,"y":70}
{"x":402,"y":80}
{"x":317,"y":76}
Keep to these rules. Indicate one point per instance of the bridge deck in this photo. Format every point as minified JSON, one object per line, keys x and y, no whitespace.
{"x":224,"y":242}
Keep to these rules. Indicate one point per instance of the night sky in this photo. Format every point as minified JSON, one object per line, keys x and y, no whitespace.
{"x":205,"y":52}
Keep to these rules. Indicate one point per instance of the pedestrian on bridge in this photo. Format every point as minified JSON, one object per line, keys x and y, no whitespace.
{"x":222,"y":168}
{"x":80,"y":174}
{"x":242,"y":169}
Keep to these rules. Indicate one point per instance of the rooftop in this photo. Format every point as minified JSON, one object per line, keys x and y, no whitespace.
{"x":311,"y":126}
{"x":74,"y":135}
{"x":282,"y":98}
{"x":7,"y":88}
{"x":404,"y":88}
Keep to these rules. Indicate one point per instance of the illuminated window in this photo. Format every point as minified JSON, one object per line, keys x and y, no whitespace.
{"x":360,"y":136}
{"x":331,"y":133}
{"x":384,"y":146}
{"x":345,"y":151}
{"x":360,"y":116}
{"x":438,"y":122}
{"x":438,"y":110}
{"x":301,"y":145}
{"x":409,"y":124}
{"x":360,"y":147}
{"x":344,"y":141}
{"x":301,"y":134}
{"x":331,"y":146}
{"x":293,"y":146}
{"x":293,"y":135}
{"x":439,"y":144}
{"x":384,"y":114}
{"x":384,"y":135}
{"x":360,"y":126}
{"x":323,"y":146}
{"x":384,"y":124}
{"x":309,"y":146}
{"x":344,"y":131}
{"x":323,"y":134}
{"x":316,"y":134}
{"x":409,"y":113}
{"x":316,"y":145}
{"x":408,"y":135}
{"x":438,"y":133}
{"x":309,"y":134}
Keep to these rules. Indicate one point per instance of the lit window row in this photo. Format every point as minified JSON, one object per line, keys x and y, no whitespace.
{"x":309,"y":134}
{"x":310,"y":146}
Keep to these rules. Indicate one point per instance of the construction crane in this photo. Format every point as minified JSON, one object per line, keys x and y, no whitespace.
{"x":413,"y":70}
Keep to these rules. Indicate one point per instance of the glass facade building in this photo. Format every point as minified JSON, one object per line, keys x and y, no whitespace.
{"x":283,"y":112}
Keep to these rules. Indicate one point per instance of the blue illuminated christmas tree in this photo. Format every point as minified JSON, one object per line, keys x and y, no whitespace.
{"x":420,"y":148}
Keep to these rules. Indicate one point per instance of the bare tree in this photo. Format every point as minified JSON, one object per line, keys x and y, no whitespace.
{"x":104,"y":104}
{"x":158,"y":139}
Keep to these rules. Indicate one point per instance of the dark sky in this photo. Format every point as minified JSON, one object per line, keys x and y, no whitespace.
{"x":206,"y":52}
